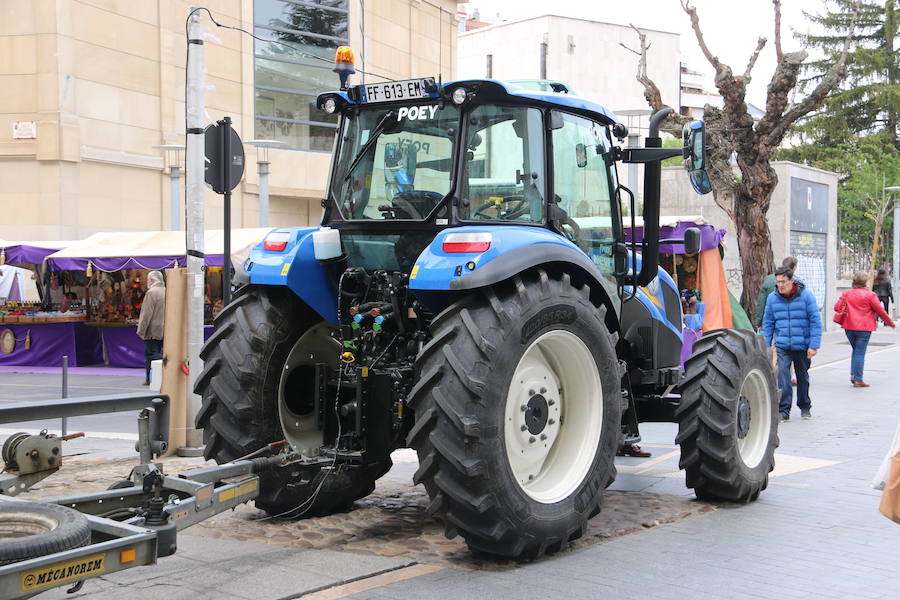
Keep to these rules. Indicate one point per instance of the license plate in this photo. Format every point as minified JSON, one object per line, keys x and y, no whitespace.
{"x":390,"y":91}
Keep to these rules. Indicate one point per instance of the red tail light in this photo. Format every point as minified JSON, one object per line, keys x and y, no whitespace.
{"x":276,"y":241}
{"x":467,"y":242}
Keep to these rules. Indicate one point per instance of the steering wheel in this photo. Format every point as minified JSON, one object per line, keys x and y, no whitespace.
{"x":412,"y":204}
{"x":518,"y":207}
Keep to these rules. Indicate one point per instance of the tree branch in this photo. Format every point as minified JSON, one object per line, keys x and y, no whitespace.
{"x":778,"y":52}
{"x":759,"y":46}
{"x":695,"y":24}
{"x":651,"y":91}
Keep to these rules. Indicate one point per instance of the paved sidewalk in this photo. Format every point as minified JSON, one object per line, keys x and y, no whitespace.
{"x":815,"y":533}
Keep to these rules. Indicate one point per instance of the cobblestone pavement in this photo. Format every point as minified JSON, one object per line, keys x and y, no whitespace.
{"x":390,"y":522}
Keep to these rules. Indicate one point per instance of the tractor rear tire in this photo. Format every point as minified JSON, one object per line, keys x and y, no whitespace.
{"x":244,"y":363}
{"x":517,"y":410}
{"x":728,"y":416}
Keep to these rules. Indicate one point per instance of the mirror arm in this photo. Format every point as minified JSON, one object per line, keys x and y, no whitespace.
{"x":645,"y":155}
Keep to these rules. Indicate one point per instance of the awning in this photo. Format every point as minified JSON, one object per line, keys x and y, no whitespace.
{"x":29,"y":253}
{"x":116,"y":251}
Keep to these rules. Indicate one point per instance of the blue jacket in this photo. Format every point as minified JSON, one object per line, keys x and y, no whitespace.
{"x":794,"y":323}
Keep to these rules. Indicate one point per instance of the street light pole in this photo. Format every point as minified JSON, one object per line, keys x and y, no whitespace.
{"x":262,"y":164}
{"x":895,"y":268}
{"x":174,"y":182}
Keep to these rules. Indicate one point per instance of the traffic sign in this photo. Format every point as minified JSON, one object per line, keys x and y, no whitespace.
{"x":223,"y":141}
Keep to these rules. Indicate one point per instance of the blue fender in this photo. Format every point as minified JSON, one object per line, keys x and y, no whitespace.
{"x":654,"y":299}
{"x":296,"y":268}
{"x":513,"y":250}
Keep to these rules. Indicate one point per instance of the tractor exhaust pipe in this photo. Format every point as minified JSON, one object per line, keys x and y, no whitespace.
{"x":652,"y":176}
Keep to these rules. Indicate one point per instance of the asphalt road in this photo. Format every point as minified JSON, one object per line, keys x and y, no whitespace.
{"x":24,"y":387}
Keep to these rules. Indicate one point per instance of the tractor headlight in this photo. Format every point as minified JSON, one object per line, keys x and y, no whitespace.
{"x":330,"y":106}
{"x":459,"y":95}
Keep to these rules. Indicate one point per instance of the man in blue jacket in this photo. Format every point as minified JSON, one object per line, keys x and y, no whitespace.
{"x":792,"y":318}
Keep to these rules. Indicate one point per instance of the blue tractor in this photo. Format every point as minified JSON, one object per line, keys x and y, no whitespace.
{"x":470,"y":294}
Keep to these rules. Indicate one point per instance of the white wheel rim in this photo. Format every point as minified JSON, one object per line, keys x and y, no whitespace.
{"x":551,"y":436}
{"x":754,"y":419}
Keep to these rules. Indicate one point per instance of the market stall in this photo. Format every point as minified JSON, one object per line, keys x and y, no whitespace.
{"x":117,"y":264}
{"x":707,"y":303}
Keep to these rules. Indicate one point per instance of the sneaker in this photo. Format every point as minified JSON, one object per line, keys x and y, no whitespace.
{"x":805,"y":414}
{"x":785,"y":417}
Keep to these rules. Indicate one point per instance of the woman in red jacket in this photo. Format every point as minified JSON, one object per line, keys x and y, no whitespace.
{"x":861,"y":307}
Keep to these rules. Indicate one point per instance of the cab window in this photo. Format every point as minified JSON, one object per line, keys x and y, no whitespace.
{"x":503,"y":177}
{"x":582,"y":185}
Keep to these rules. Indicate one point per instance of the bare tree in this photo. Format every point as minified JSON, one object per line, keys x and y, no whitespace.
{"x":745,"y":197}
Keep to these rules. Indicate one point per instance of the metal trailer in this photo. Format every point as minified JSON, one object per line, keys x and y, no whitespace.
{"x":131,"y":524}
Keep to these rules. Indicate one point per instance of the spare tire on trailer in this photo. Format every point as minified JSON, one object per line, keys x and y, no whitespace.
{"x":31,"y":529}
{"x":728,"y":416}
{"x":259,"y":364}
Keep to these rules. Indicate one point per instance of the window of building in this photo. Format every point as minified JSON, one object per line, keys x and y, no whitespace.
{"x":288,"y":80}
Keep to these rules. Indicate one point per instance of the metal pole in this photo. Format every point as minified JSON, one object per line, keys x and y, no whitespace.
{"x":65,"y":390}
{"x":263,"y":166}
{"x":194,"y":183}
{"x":175,"y":196}
{"x":895,"y":274}
{"x":226,"y":176}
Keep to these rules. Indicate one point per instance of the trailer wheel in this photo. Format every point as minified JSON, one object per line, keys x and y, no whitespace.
{"x":727,"y":419}
{"x":517,"y":411}
{"x":29,"y":530}
{"x":254,"y":376}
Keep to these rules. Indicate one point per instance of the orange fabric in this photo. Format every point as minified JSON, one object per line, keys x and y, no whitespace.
{"x":714,"y":291}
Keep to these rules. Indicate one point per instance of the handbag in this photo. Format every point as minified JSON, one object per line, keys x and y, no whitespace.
{"x":890,"y":497}
{"x":841,"y":313}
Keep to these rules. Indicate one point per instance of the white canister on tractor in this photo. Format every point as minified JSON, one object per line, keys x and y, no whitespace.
{"x":326,"y":243}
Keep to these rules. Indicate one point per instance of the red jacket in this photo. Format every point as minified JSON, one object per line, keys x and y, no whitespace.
{"x":862,"y":306}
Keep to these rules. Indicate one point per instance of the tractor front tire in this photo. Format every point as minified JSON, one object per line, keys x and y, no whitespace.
{"x":517,"y":410}
{"x":728,"y":416}
{"x":241,"y":383}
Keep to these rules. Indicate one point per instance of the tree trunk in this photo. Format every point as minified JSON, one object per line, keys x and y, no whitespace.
{"x":755,"y":244}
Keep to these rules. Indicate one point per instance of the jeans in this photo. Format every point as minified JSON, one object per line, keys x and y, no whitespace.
{"x":801,"y":370}
{"x":859,"y":340}
{"x":152,"y":351}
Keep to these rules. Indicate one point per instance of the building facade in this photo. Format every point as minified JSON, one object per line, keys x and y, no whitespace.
{"x":91,"y":86}
{"x":586,"y":55}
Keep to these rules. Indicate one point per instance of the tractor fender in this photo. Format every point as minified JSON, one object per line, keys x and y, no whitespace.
{"x":296,"y":268}
{"x":514,"y":249}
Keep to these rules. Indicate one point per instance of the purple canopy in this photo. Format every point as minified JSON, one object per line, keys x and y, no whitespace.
{"x":27,"y":254}
{"x":119,"y":263}
{"x":710,"y":237}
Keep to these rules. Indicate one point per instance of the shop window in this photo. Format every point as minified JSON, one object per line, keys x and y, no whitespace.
{"x":287,"y":79}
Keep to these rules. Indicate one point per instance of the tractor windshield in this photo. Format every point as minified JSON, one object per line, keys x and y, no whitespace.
{"x":395,"y":162}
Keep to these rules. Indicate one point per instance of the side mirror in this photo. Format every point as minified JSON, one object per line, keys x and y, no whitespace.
{"x":691,"y":240}
{"x":694,"y":136}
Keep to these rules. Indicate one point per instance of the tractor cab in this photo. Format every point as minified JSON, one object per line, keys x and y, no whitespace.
{"x":419,"y":155}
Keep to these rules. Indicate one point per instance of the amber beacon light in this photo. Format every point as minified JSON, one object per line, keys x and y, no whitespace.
{"x":343,"y":64}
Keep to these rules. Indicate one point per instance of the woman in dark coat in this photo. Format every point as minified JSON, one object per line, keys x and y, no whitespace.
{"x":882,"y":289}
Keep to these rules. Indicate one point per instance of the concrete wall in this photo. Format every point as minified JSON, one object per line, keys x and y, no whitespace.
{"x":104,"y":81}
{"x":587,"y":55}
{"x":678,"y":198}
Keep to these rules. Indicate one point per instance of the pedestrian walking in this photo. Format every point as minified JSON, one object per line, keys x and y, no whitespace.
{"x":882,"y":289}
{"x":792,"y":321}
{"x":152,"y":320}
{"x":768,"y":286}
{"x":856,"y":310}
